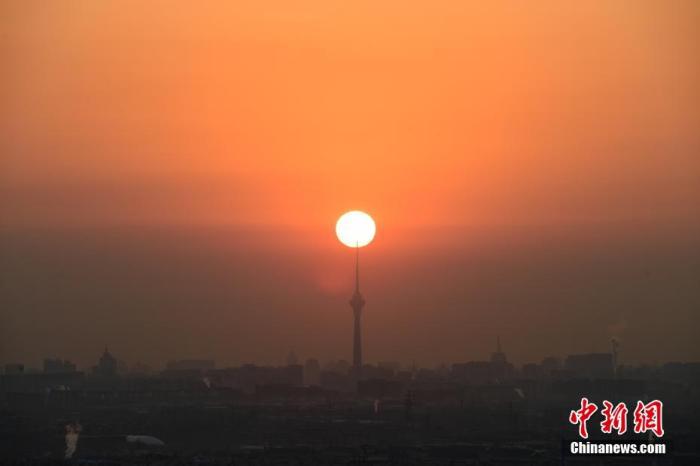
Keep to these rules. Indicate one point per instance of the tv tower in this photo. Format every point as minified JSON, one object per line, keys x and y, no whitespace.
{"x":357,"y":302}
{"x":356,"y":229}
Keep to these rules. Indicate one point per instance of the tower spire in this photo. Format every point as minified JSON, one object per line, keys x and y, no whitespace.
{"x":357,"y":269}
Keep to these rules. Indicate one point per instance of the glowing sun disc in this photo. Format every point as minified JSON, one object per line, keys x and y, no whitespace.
{"x":355,"y":229}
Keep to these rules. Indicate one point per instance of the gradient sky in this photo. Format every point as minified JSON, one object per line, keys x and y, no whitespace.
{"x":171,"y":172}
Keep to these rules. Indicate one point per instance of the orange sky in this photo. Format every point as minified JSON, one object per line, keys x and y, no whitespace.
{"x":288,"y":113}
{"x":462,"y":122}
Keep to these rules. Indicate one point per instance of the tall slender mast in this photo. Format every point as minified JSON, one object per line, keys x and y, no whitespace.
{"x":357,"y":269}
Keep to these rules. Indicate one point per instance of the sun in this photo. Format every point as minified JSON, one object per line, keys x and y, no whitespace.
{"x":355,"y":229}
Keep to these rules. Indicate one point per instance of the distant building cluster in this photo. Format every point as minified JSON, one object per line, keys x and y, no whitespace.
{"x":493,"y":379}
{"x":58,"y":366}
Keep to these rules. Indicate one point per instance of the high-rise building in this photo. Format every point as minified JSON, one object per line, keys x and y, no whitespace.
{"x":107,"y":366}
{"x":499,"y":357}
{"x":497,"y":370}
{"x":312,"y":372}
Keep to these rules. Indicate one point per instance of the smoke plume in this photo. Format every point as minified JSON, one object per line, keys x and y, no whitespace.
{"x":72,"y":433}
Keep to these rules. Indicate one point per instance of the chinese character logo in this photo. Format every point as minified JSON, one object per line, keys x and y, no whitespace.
{"x":614,"y":418}
{"x":646,"y":417}
{"x":582,"y":416}
{"x":649,"y":417}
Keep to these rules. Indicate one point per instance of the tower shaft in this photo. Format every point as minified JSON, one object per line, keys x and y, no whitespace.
{"x":357,"y":343}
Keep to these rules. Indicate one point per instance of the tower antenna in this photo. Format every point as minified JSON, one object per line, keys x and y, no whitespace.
{"x":357,"y":268}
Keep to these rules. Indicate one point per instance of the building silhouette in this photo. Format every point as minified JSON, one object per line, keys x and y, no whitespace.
{"x":292,"y":359}
{"x":107,"y":365}
{"x":312,"y":372}
{"x":591,"y":365}
{"x":191,"y":365}
{"x":14,"y":368}
{"x":497,"y":370}
{"x":499,"y":357}
{"x":58,"y":366}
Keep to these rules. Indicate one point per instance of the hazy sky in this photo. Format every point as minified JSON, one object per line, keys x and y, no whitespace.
{"x":171,"y":172}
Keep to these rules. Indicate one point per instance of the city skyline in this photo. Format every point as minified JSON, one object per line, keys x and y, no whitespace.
{"x":496,"y":352}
